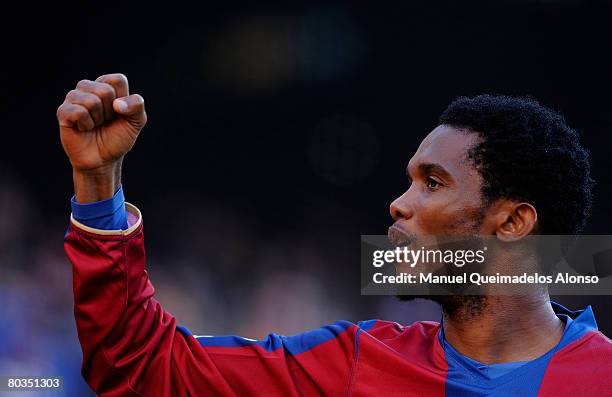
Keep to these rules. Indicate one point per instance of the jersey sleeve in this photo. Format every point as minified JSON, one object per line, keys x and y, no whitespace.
{"x":107,"y":214}
{"x":133,"y":347}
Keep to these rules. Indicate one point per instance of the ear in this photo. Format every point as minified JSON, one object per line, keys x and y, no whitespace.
{"x":515,"y":220}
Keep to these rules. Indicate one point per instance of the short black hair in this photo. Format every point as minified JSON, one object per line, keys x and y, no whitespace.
{"x":527,"y":152}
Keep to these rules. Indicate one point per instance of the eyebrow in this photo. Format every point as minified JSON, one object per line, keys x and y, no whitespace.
{"x":428,"y":168}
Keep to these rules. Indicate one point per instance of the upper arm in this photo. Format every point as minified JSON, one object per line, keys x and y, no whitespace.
{"x":319,"y":360}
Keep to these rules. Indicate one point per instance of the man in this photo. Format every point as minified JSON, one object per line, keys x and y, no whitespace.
{"x":494,"y":166}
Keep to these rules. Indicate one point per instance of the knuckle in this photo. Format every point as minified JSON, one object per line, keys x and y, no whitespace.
{"x":59,"y":113}
{"x":105,"y":91}
{"x":71,"y":94}
{"x":119,"y":77}
{"x":104,"y":77}
{"x":80,"y":112}
{"x":113,"y":77}
{"x":69,"y":111}
{"x":83,"y":83}
{"x":92,"y":102}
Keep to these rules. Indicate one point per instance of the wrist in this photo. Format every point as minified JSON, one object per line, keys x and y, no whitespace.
{"x":97,"y":184}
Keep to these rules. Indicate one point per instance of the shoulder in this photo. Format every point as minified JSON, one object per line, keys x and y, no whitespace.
{"x":591,"y":353}
{"x":580,"y":368}
{"x":597,"y":343}
{"x":396,"y":335}
{"x":417,"y":342}
{"x":382,"y":329}
{"x":592,"y":343}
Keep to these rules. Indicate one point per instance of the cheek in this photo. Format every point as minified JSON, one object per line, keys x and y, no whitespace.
{"x":433,"y":211}
{"x":444,"y":213}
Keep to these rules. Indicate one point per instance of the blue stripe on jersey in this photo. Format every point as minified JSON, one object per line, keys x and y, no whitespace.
{"x":367,"y":325}
{"x":465,"y":380}
{"x":363,"y":326}
{"x":295,"y":344}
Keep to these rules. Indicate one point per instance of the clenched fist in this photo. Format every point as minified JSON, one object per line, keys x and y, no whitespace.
{"x":99,"y":123}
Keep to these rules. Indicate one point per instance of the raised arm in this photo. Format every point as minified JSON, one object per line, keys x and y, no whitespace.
{"x":131,"y":345}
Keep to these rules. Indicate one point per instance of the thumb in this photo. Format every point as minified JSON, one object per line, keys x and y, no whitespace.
{"x":131,"y":107}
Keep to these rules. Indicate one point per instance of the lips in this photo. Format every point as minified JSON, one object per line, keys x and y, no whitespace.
{"x":400,"y":237}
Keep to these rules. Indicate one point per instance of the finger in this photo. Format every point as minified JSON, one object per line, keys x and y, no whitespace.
{"x":131,"y":106}
{"x":118,"y":81}
{"x":89,"y":101}
{"x":72,"y":115}
{"x":104,"y":91}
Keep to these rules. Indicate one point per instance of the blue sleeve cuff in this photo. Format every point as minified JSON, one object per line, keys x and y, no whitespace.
{"x":104,"y":215}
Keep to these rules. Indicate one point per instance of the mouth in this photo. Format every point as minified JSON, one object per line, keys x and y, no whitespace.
{"x":399,"y":237}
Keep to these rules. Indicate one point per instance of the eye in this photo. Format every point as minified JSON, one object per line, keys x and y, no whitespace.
{"x":431,"y":183}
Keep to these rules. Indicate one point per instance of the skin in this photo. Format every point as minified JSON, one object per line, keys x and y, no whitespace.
{"x":444,"y":198}
{"x":100,"y":121}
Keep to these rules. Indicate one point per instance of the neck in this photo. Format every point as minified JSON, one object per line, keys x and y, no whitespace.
{"x":499,"y":329}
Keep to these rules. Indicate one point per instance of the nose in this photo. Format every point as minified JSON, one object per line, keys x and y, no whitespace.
{"x":400,"y":208}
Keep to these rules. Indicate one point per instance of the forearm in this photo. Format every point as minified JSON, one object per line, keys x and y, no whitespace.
{"x":97,"y":184}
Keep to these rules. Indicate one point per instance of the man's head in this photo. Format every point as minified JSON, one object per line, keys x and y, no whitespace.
{"x":495,"y":166}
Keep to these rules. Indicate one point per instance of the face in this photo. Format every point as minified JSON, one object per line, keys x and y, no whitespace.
{"x":443,"y":197}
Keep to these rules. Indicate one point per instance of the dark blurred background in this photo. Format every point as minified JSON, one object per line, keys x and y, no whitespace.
{"x":277,"y":135}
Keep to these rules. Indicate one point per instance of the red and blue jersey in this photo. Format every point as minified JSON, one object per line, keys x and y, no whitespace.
{"x":133,"y":347}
